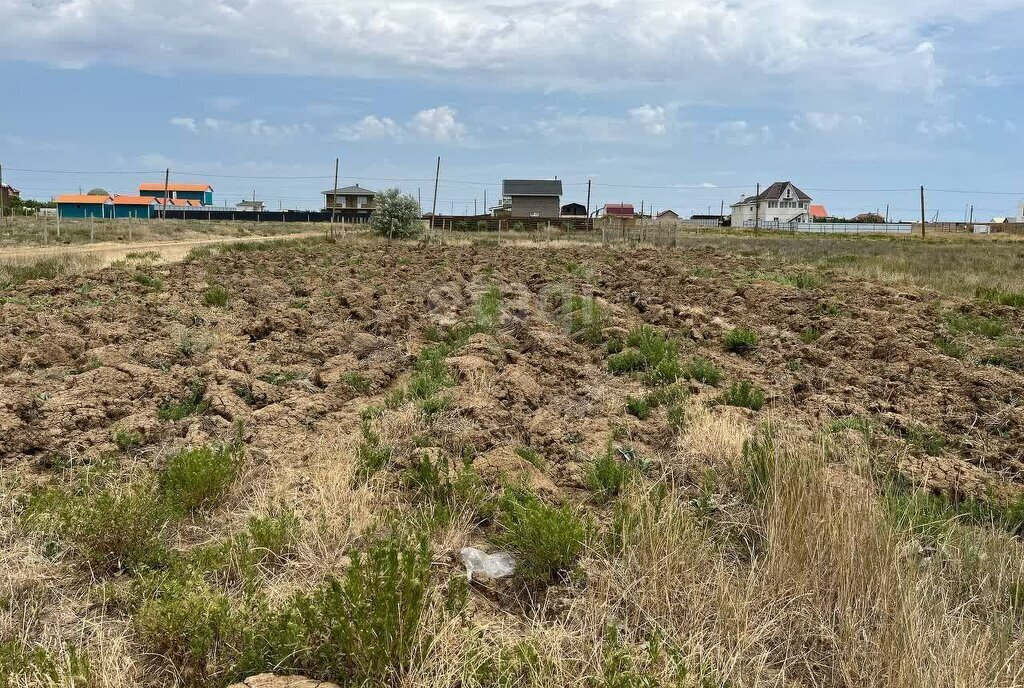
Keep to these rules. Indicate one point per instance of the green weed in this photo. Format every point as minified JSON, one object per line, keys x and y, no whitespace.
{"x":215,"y":295}
{"x":197,"y":479}
{"x":548,"y":540}
{"x":744,"y":394}
{"x":740,"y":341}
{"x":704,"y":371}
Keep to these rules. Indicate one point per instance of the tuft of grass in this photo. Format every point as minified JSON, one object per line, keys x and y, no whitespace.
{"x":197,"y":479}
{"x":548,"y":540}
{"x":638,"y":407}
{"x":215,"y":295}
{"x":967,"y":323}
{"x":607,"y":475}
{"x":704,"y":371}
{"x":148,"y":281}
{"x":127,"y":440}
{"x":193,"y":404}
{"x":744,"y":394}
{"x":360,"y":384}
{"x":926,"y":440}
{"x":533,"y":456}
{"x":1001,"y":297}
{"x":740,"y":341}
{"x":650,"y":353}
{"x":371,"y":455}
{"x":22,"y":664}
{"x":586,"y":319}
{"x":279,"y":379}
{"x":809,"y":335}
{"x":951,"y":348}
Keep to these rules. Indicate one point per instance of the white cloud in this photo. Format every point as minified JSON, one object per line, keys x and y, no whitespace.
{"x":653,"y":119}
{"x":741,"y":133}
{"x":188,"y":123}
{"x":941,"y":127}
{"x":826,"y":122}
{"x":709,"y":47}
{"x":439,"y":124}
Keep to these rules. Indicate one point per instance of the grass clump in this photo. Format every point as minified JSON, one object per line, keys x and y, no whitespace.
{"x":360,"y":384}
{"x":638,"y":407}
{"x":740,"y":341}
{"x":1003,"y":298}
{"x":951,"y":348}
{"x":215,"y":295}
{"x":650,"y":353}
{"x":533,"y":456}
{"x":194,"y":404}
{"x":282,"y":378}
{"x":126,"y":440}
{"x":371,"y":455}
{"x":967,"y":323}
{"x":358,"y":630}
{"x":22,"y":664}
{"x":809,"y":335}
{"x":607,"y":475}
{"x":744,"y":394}
{"x":148,"y":281}
{"x":586,"y":319}
{"x":197,"y":479}
{"x":549,"y":541}
{"x":704,"y":371}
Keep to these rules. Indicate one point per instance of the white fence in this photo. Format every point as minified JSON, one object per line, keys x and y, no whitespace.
{"x":834,"y":227}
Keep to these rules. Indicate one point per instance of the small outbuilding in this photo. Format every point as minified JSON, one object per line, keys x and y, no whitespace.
{"x":620,"y":210}
{"x":85,"y":205}
{"x":140,"y":207}
{"x":201,"y":193}
{"x":574,"y":210}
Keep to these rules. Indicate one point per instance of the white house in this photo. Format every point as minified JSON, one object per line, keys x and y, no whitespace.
{"x":781,"y":202}
{"x":1020,"y":212}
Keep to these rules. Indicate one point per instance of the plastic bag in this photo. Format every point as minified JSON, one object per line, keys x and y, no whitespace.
{"x":496,"y":565}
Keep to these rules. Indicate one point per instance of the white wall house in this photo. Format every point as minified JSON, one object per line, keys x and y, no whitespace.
{"x":1020,"y":212}
{"x":781,"y":202}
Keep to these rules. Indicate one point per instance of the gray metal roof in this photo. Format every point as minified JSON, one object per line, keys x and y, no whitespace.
{"x":531,"y":187}
{"x":350,"y":190}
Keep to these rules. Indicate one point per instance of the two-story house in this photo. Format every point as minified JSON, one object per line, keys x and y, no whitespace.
{"x":780,"y":203}
{"x":532,"y":197}
{"x":351,"y":201}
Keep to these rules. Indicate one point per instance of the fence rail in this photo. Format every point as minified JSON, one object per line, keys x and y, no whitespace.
{"x":834,"y":227}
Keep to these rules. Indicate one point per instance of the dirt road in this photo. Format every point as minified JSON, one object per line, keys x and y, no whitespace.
{"x":107,"y":252}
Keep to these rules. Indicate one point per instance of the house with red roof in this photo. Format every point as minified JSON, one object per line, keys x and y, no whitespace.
{"x":619,"y":210}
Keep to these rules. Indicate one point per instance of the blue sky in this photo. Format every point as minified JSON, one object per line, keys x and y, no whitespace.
{"x":680,"y":104}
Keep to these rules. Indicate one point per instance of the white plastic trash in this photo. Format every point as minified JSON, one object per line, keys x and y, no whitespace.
{"x":497,"y":565}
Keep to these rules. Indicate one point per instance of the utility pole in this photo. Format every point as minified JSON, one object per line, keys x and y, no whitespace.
{"x":971,"y":220}
{"x":924,"y":220}
{"x":886,"y":213}
{"x":167,"y":184}
{"x":588,"y":198}
{"x":334,"y":191}
{"x":437,"y":176}
{"x":474,"y":207}
{"x":721,"y":209}
{"x":1,"y":192}
{"x":485,"y":202}
{"x":419,"y":199}
{"x":757,"y":208}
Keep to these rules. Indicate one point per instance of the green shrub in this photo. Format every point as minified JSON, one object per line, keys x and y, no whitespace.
{"x":275,"y":535}
{"x":192,"y":405}
{"x":360,"y":630}
{"x":809,"y":335}
{"x":371,"y":455}
{"x":33,"y":665}
{"x":606,"y":475}
{"x":397,"y":215}
{"x":744,"y":394}
{"x":215,"y":295}
{"x":197,"y":479}
{"x":639,"y":408}
{"x":740,"y":341}
{"x":127,"y":439}
{"x":149,"y":281}
{"x":548,"y":540}
{"x":648,"y":351}
{"x":111,"y":529}
{"x":704,"y":371}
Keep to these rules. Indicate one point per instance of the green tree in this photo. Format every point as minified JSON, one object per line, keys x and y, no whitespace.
{"x":397,"y":215}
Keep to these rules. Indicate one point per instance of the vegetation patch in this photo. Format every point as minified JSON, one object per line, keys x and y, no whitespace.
{"x":548,"y":540}
{"x":740,"y":341}
{"x":649,"y":353}
{"x":215,"y":295}
{"x":744,"y":394}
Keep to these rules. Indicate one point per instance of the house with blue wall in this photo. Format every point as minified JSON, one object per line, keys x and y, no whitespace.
{"x":141,"y":207}
{"x":83,"y":206}
{"x":203,"y":193}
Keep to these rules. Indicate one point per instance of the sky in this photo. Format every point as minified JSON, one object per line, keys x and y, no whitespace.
{"x":681,"y":104}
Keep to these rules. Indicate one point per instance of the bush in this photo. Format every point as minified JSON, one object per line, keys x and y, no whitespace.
{"x":215,"y":295}
{"x":648,"y":351}
{"x":371,"y":455}
{"x":396,"y":216}
{"x":704,"y":371}
{"x":197,"y":479}
{"x":363,"y":629}
{"x":744,"y":394}
{"x":638,"y":408}
{"x":549,"y":541}
{"x":110,"y":529}
{"x":606,"y":476}
{"x":740,"y":341}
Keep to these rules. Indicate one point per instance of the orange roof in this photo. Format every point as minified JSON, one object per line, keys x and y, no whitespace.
{"x":174,"y":186}
{"x":132,"y":200}
{"x":818,"y":211}
{"x":177,"y":201}
{"x":82,"y":198}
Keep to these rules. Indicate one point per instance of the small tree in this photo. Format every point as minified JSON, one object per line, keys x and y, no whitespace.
{"x":396,"y":215}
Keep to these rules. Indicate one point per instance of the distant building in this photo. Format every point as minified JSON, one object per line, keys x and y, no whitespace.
{"x":868,"y":218}
{"x":667,"y":216}
{"x":253,"y":206}
{"x":781,"y":202}
{"x":350,"y":202}
{"x":574,"y":210}
{"x":8,"y":192}
{"x":85,"y":205}
{"x":1020,"y":213}
{"x":817,"y":212}
{"x":141,"y":207}
{"x":532,"y":197}
{"x":201,"y":193}
{"x":619,"y":210}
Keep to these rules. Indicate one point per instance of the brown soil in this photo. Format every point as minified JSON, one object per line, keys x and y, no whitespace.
{"x":83,"y":356}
